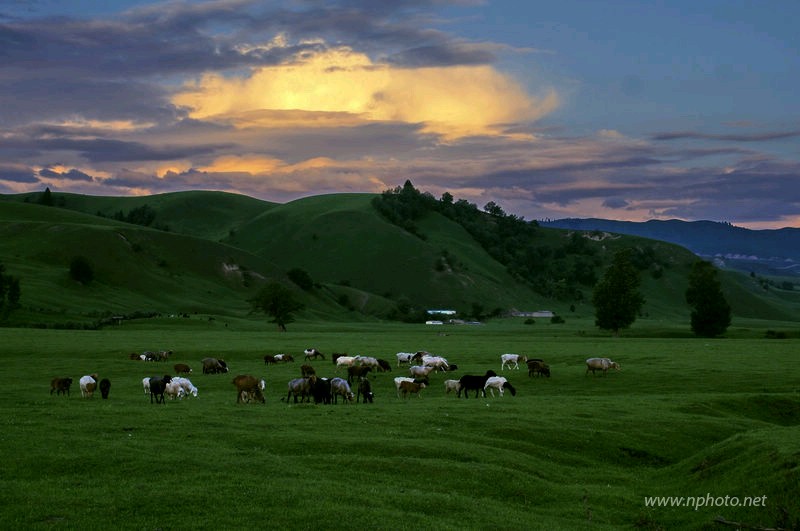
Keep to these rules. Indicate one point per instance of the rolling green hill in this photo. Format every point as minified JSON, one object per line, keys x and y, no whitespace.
{"x":208,"y":252}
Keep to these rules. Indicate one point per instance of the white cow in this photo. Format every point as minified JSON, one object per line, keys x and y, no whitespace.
{"x":404,"y":357}
{"x":509,"y":359}
{"x":452,"y":385}
{"x":601,"y":364}
{"x":499,"y":383}
{"x":88,"y":385}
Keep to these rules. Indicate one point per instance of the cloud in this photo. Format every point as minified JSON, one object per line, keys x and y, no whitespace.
{"x":756,"y":137}
{"x":452,"y":101}
{"x":69,"y":175}
{"x":17,"y":173}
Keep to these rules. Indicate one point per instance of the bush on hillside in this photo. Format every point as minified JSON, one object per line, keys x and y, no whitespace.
{"x":301,"y":278}
{"x":80,"y":270}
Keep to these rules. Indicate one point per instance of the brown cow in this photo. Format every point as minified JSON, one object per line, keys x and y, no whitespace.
{"x":60,"y":385}
{"x":182,"y":368}
{"x":248,"y":388}
{"x":411,"y":387}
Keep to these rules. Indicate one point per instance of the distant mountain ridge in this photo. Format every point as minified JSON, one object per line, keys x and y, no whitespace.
{"x":767,"y":252}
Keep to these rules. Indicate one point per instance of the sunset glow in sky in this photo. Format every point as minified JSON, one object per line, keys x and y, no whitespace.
{"x":625,"y":110}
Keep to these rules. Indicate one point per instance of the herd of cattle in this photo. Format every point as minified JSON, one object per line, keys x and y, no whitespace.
{"x":323,"y":390}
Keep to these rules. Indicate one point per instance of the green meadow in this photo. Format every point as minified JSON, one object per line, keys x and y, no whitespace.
{"x":684,"y":417}
{"x":689,"y":431}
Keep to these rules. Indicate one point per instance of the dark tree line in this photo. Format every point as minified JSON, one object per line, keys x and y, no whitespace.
{"x":511,"y":240}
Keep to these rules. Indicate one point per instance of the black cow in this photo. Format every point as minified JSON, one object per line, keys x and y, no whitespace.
{"x":105,"y":387}
{"x":470,"y":382}
{"x":158,"y":386}
{"x":365,"y":390}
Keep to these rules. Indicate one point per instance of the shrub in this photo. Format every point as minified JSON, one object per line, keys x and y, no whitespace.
{"x":80,"y":270}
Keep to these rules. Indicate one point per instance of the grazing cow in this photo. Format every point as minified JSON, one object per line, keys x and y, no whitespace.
{"x":269,"y":359}
{"x":404,"y":357}
{"x":411,"y":387}
{"x":105,"y":387}
{"x":307,"y":370}
{"x":357,"y":371}
{"x":88,"y":385}
{"x":417,"y":356}
{"x":367,"y":361}
{"x":300,"y":387}
{"x":537,"y":367}
{"x":451,"y":385}
{"x":340,"y":387}
{"x":283,"y":358}
{"x":437,"y":362}
{"x":507,"y":360}
{"x":600,"y":364}
{"x":60,"y":385}
{"x":312,"y":354}
{"x":321,"y":390}
{"x":182,"y":368}
{"x":384,"y":366}
{"x":186,"y":385}
{"x":364,"y":389}
{"x":420,"y":371}
{"x":499,"y":383}
{"x":174,"y":390}
{"x":158,"y":386}
{"x":401,"y":379}
{"x":214,"y":366}
{"x":345,"y":361}
{"x":248,"y":388}
{"x":470,"y":382}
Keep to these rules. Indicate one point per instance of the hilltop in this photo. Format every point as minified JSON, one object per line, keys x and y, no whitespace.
{"x":200,"y":252}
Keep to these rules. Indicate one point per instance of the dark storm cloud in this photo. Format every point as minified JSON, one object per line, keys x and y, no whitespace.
{"x":111,"y":150}
{"x":757,"y":137}
{"x":71,"y":175}
{"x":444,"y":54}
{"x":615,"y":202}
{"x":17,"y":174}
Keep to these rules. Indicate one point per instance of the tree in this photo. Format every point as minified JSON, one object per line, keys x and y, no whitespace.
{"x":278,"y":302}
{"x":616,"y":296}
{"x":301,"y":278}
{"x":9,"y":292}
{"x":711,"y":313}
{"x":80,"y":270}
{"x":46,"y":198}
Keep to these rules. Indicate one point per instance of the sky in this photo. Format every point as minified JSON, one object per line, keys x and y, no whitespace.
{"x":628,"y":110}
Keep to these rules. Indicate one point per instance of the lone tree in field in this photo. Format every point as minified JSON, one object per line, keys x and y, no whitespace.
{"x":278,"y":302}
{"x":80,"y":270}
{"x":616,"y":296}
{"x":9,"y":292}
{"x":711,"y":313}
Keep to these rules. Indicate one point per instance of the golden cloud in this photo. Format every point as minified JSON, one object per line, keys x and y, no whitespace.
{"x":341,"y":87}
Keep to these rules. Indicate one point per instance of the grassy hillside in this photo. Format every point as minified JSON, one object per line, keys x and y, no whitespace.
{"x":136,"y":269}
{"x":220,"y":247}
{"x":209,"y":215}
{"x":339,"y":239}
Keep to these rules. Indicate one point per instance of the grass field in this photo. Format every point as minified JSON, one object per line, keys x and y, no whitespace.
{"x":684,"y":417}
